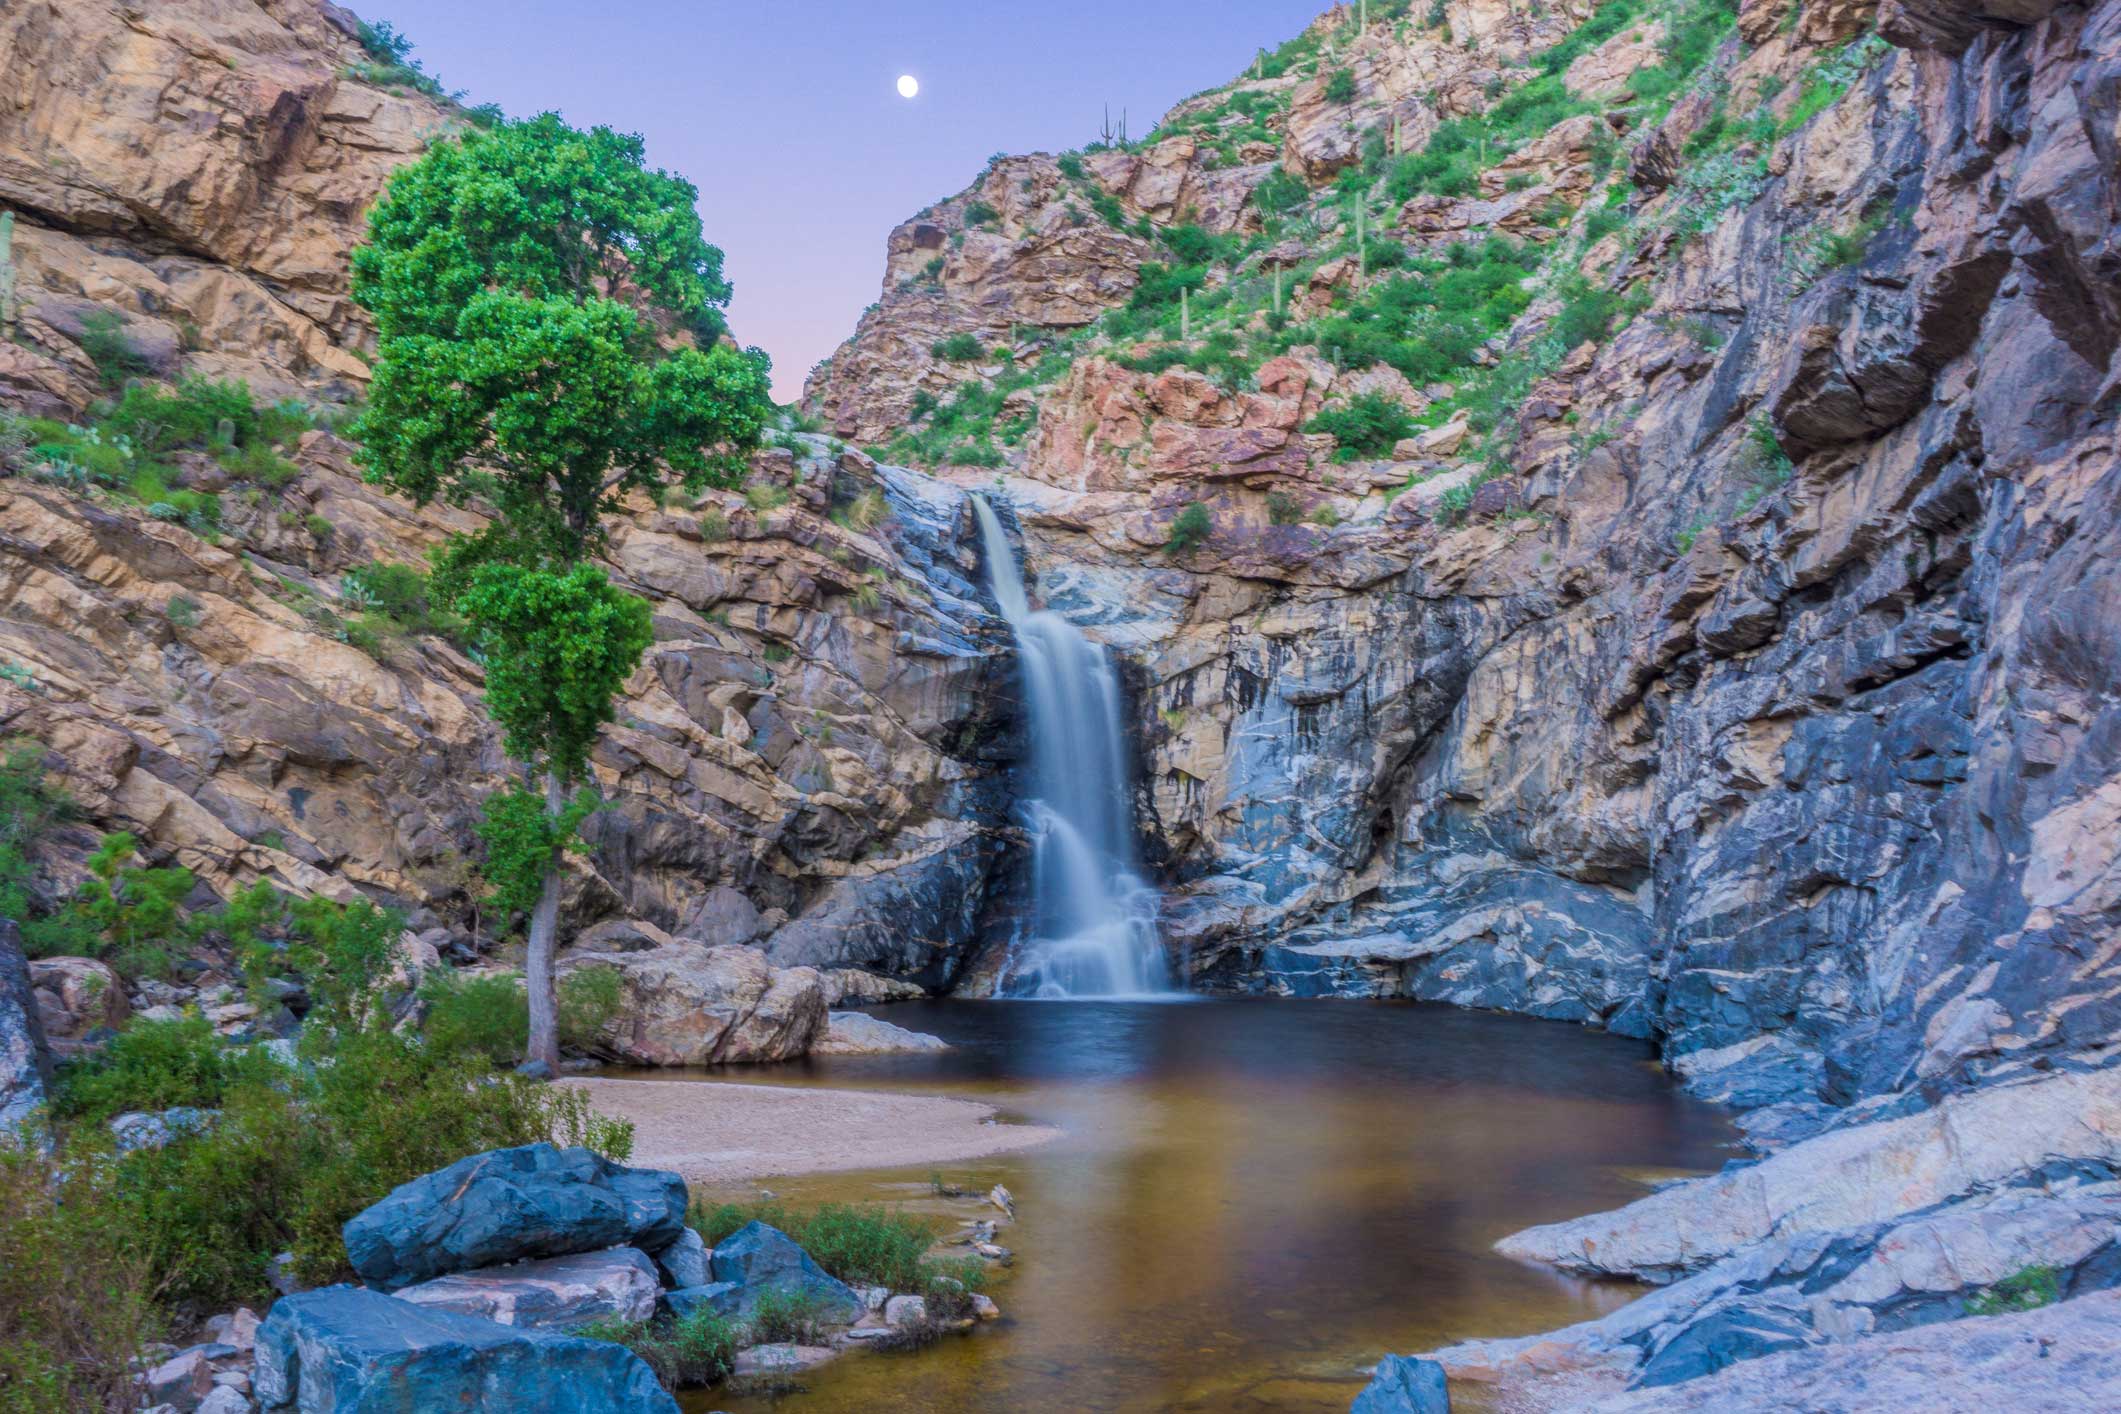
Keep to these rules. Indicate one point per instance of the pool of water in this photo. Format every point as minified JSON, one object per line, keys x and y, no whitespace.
{"x":1253,"y":1199}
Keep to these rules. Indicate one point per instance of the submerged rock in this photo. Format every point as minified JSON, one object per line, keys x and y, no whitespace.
{"x":555,"y":1293}
{"x":1404,"y":1385}
{"x":536,"y":1200}
{"x":853,"y":1033}
{"x":359,"y":1352}
{"x":760,"y":1259}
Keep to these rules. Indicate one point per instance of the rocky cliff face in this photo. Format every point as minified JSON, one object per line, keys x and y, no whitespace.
{"x":1747,"y":678}
{"x":811,"y":759}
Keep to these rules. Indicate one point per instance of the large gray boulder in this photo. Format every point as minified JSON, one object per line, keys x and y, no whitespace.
{"x":555,"y":1293}
{"x":510,"y":1205}
{"x":25,"y":1059}
{"x":1404,"y":1385}
{"x":349,"y":1351}
{"x":759,"y":1259}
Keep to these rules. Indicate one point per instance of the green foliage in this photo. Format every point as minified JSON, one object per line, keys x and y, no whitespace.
{"x":104,"y":340}
{"x":1340,"y":86}
{"x":1189,"y":528}
{"x":150,"y":1065}
{"x":1283,"y":508}
{"x":124,"y":913}
{"x":2025,"y":1290}
{"x":684,"y":1354}
{"x":29,"y":805}
{"x":589,"y":998}
{"x":980,"y":213}
{"x":1586,"y":313}
{"x":1071,"y":166}
{"x":506,"y":365}
{"x":558,"y":647}
{"x":523,"y":838}
{"x":1428,"y":322}
{"x":783,"y":1315}
{"x":485,"y":1016}
{"x":1280,"y":194}
{"x":866,"y":1245}
{"x":1831,"y":78}
{"x":1367,"y":425}
{"x":959,"y":348}
{"x":77,"y":1292}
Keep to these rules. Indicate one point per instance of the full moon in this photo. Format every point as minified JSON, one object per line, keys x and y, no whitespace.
{"x":908,"y":85}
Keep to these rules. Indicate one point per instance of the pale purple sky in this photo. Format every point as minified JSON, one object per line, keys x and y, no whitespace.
{"x":785,"y":115}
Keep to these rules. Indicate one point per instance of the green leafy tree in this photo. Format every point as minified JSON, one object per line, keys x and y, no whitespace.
{"x":549,"y":339}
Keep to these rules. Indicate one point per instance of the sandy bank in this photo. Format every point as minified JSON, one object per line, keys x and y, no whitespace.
{"x":719,"y":1133}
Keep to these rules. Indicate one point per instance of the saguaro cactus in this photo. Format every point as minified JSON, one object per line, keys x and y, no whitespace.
{"x":7,"y":274}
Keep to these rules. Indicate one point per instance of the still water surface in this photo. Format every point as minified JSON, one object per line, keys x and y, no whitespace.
{"x":1253,"y":1199}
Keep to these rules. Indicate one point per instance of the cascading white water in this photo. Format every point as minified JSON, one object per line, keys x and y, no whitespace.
{"x":1093,"y":926}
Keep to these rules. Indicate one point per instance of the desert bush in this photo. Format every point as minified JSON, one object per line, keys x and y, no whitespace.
{"x":684,"y":1354}
{"x":1189,"y":528}
{"x":1368,"y":425}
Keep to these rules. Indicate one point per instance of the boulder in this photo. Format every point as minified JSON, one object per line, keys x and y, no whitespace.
{"x":141,"y":1129}
{"x":507,"y":1205}
{"x":1404,"y":1385}
{"x":852,"y":1033}
{"x":683,"y":1003}
{"x":555,"y":1293}
{"x":181,"y":1381}
{"x":684,"y":1262}
{"x":225,"y":1399}
{"x":759,"y":1259}
{"x":352,"y":1351}
{"x":901,"y":1312}
{"x":77,"y":997}
{"x":719,"y":1297}
{"x":25,"y":1059}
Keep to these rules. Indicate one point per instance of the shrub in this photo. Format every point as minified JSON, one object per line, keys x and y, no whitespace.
{"x":1368,"y":425}
{"x":150,"y":1065}
{"x":1189,"y":528}
{"x":320,"y":529}
{"x":486,"y":1016}
{"x":714,"y":525}
{"x":122,"y":912}
{"x":28,"y":806}
{"x":763,"y":498}
{"x":77,"y":1293}
{"x":1283,"y":508}
{"x":2026,"y":1290}
{"x":103,"y":339}
{"x":958,"y":348}
{"x":784,"y":1316}
{"x":684,"y":1354}
{"x":1586,"y":312}
{"x":866,"y":1245}
{"x":980,"y":213}
{"x":588,"y":1000}
{"x":1340,"y":86}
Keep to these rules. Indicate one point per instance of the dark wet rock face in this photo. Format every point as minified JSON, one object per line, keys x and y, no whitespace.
{"x":25,"y":1060}
{"x":511,"y":1204}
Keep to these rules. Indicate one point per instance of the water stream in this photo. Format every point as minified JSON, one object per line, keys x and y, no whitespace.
{"x":1092,"y":931}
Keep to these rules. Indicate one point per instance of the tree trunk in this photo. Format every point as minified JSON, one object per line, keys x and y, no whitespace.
{"x":544,"y":935}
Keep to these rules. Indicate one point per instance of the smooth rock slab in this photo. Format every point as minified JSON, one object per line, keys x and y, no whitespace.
{"x":555,"y":1293}
{"x":343,"y":1350}
{"x":853,"y":1033}
{"x":509,"y":1205}
{"x":2062,"y":1357}
{"x":760,"y":1259}
{"x":1404,"y":1385}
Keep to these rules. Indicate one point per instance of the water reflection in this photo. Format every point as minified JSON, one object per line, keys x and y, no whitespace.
{"x":1256,"y":1198}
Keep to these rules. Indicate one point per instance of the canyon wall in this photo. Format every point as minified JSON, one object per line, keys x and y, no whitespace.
{"x":812,"y":757}
{"x":1752,"y":686}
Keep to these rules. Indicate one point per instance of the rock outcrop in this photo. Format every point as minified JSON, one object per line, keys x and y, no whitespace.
{"x":557,"y":1293}
{"x":683,"y":1003}
{"x":510,"y":1205}
{"x":25,"y":1059}
{"x":360,"y":1352}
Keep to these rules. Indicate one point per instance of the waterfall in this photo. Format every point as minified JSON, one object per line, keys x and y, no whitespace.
{"x":1093,"y":924}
